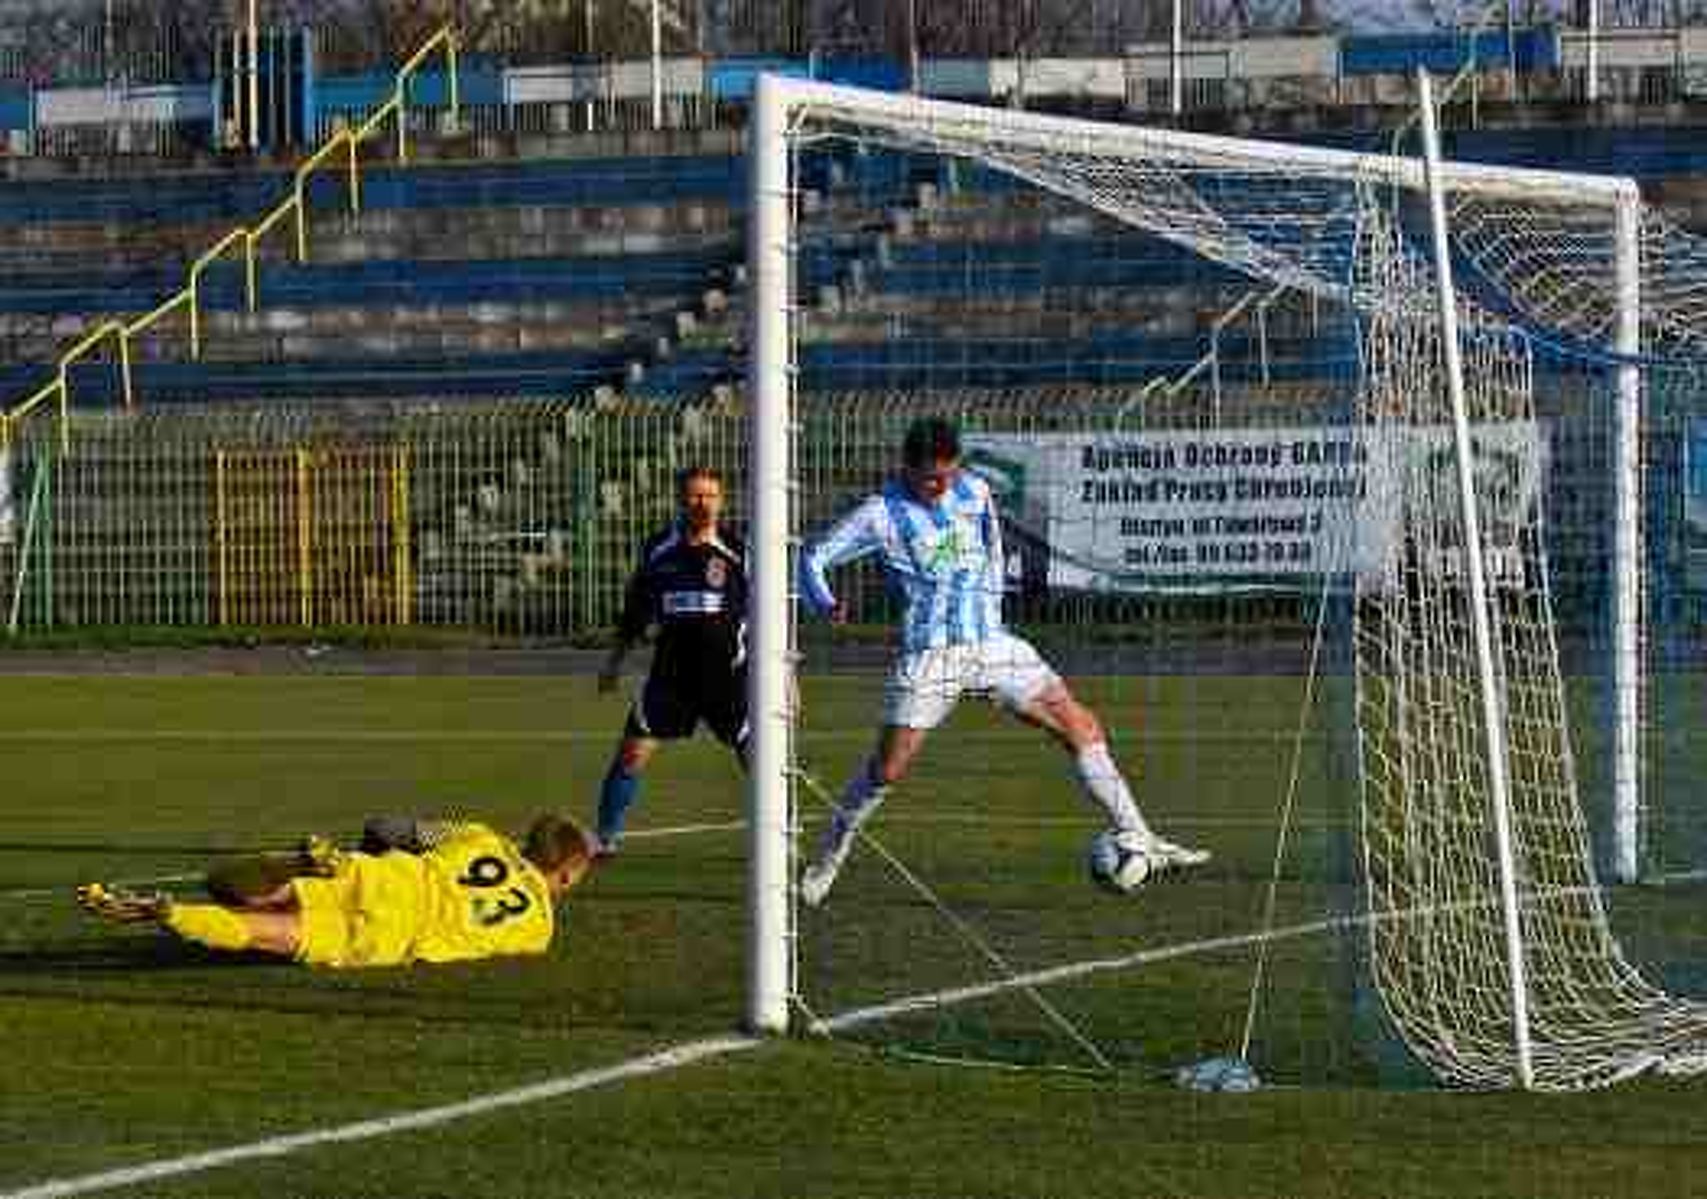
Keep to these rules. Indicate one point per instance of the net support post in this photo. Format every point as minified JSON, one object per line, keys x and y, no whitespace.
{"x":1493,"y":710}
{"x":768,"y":402}
{"x":657,"y":65}
{"x":1591,"y":72}
{"x":254,"y":76}
{"x":1627,"y":566}
{"x":1176,"y":60}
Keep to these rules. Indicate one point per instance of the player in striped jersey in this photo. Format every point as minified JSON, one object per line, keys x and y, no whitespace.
{"x":937,"y":531}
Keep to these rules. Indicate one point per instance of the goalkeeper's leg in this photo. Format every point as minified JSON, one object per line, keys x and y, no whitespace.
{"x":261,"y":882}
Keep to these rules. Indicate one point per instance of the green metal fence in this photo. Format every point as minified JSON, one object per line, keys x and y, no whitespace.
{"x":517,"y":518}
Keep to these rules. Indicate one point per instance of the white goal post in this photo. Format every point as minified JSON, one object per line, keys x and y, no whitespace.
{"x":1017,"y":142}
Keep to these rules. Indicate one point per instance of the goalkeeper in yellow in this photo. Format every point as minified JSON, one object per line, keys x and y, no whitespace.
{"x":415,"y":891}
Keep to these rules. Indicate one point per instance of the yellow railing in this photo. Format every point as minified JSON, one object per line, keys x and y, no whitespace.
{"x":312,"y":536}
{"x":294,"y":205}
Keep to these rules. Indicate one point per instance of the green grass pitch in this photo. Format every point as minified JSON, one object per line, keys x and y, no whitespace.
{"x":121,"y":1050}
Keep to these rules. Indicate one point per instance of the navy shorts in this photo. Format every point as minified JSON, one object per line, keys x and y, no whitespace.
{"x":670,"y":708}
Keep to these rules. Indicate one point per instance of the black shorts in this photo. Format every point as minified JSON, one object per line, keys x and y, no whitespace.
{"x":669,"y":708}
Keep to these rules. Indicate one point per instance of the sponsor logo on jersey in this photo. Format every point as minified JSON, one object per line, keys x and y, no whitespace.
{"x":692,"y":603}
{"x":944,"y":556}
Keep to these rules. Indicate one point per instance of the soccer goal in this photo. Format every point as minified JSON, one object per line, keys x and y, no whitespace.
{"x":1362,"y":583}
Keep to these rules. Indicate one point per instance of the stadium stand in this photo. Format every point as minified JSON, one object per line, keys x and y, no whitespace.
{"x":524,"y":277}
{"x":500,"y":268}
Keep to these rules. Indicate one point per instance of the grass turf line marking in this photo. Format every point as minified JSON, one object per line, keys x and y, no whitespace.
{"x":654,"y":1063}
{"x":357,"y":736}
{"x":680,"y":830}
{"x":1055,"y":974}
{"x":65,"y":892}
{"x":1073,"y":970}
{"x":360,"y":736}
{"x":970,"y":818}
{"x":683,"y":830}
{"x":672,"y":1058}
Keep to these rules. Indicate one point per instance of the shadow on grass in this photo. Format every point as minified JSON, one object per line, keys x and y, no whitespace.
{"x":116,"y":955}
{"x":500,"y":994}
{"x":124,"y":849}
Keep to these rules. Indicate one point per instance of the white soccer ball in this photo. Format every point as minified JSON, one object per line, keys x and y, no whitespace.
{"x":1118,"y":861}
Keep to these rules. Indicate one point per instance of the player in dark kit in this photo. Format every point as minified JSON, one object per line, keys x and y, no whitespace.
{"x":691,"y":582}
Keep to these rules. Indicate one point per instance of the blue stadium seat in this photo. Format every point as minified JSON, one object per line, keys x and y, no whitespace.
{"x":240,"y":197}
{"x":1113,"y":358}
{"x":474,"y":376}
{"x":377,"y":283}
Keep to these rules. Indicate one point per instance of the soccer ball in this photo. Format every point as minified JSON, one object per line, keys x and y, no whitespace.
{"x":1118,"y":861}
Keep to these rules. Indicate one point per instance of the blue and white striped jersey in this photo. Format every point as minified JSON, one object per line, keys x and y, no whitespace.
{"x":945,"y":559}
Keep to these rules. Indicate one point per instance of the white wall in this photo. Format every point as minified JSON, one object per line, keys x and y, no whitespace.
{"x":1627,"y":48}
{"x":102,"y":106}
{"x":1246,"y":58}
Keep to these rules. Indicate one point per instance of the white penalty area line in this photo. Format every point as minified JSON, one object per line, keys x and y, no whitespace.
{"x":664,"y":1060}
{"x":385,"y":1126}
{"x":1146,"y":957}
{"x":683,"y":830}
{"x":1678,"y":878}
{"x":1059,"y":974}
{"x":692,"y":1052}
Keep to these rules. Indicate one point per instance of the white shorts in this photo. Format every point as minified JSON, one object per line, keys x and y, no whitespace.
{"x":923,"y":687}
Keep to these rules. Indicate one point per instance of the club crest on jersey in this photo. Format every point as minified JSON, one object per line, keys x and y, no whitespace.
{"x":944,"y":555}
{"x":716,"y":572}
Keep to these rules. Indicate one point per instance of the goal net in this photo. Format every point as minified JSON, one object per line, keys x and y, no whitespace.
{"x":1206,"y":382}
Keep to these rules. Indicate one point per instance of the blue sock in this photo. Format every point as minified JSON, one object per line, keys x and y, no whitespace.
{"x":616,"y":796}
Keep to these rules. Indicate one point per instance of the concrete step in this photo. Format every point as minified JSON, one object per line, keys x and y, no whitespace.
{"x":166,"y":250}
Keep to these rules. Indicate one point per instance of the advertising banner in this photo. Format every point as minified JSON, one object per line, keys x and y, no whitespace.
{"x":1119,"y":512}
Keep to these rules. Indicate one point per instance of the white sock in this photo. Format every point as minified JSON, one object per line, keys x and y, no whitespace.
{"x":859,"y":800}
{"x":1106,"y":787}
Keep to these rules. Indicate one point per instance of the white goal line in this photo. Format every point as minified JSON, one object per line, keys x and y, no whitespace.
{"x":954,"y":996}
{"x":670,"y":1058}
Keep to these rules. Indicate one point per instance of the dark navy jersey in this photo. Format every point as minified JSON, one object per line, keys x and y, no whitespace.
{"x":697,"y":596}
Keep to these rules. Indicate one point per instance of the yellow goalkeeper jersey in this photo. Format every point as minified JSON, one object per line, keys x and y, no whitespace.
{"x":471,"y":895}
{"x":482,"y":899}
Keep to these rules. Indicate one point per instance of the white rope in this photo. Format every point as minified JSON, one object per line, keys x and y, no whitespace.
{"x":967,"y":932}
{"x":1283,"y":834}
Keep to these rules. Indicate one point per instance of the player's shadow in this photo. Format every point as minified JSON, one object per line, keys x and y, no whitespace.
{"x":89,"y":959}
{"x":117,"y":849}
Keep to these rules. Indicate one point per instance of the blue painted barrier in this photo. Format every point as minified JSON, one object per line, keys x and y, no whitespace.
{"x":1442,"y":53}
